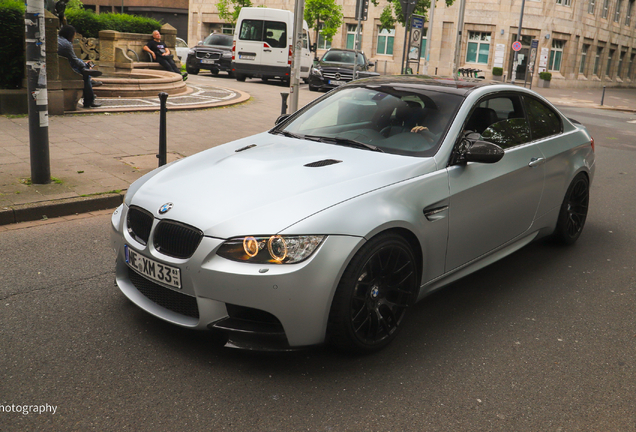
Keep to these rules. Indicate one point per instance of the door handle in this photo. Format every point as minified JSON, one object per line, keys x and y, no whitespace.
{"x":267,"y":50}
{"x":536,"y":162}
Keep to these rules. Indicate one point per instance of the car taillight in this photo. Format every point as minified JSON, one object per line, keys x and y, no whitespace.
{"x":233,"y":50}
{"x":592,"y":143}
{"x":289,"y":58}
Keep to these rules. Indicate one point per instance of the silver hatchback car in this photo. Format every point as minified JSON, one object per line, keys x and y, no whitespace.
{"x":332,"y":224}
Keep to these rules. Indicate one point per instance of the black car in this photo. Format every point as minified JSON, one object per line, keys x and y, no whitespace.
{"x":213,"y":54}
{"x":335,"y":68}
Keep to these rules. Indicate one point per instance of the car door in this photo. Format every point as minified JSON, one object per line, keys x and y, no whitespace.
{"x":492,"y":204}
{"x":249,"y":48}
{"x":275,"y":48}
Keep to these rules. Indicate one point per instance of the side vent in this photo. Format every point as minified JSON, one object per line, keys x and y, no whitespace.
{"x":245,"y":148}
{"x":322,"y":163}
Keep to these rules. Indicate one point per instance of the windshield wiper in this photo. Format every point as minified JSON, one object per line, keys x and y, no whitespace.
{"x":289,"y":134}
{"x":344,"y":142}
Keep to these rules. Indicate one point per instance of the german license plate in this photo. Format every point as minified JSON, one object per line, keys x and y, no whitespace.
{"x":334,"y":82}
{"x":247,"y":56}
{"x":152,"y":269}
{"x":208,"y":61}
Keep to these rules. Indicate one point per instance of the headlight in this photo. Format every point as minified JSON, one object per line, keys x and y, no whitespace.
{"x":275,"y":249}
{"x":191,"y":51}
{"x":227,"y":54}
{"x":316,"y":71}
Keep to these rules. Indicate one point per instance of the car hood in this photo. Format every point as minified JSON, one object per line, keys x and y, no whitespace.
{"x":226,"y":191}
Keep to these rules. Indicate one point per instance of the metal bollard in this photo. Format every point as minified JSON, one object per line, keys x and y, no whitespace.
{"x":603,"y":97}
{"x":283,"y":108}
{"x":162,"y":156}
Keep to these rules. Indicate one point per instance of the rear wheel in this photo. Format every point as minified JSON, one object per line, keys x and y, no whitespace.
{"x":214,"y":72}
{"x":239,"y":77}
{"x":573,"y":211}
{"x":373,"y":295}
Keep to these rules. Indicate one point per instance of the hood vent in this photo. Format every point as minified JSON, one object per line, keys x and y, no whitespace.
{"x":245,"y":148}
{"x":322,"y":163}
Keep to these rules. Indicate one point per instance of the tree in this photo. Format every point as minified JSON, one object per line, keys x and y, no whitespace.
{"x":229,"y":9}
{"x":327,"y":12}
{"x":393,"y":13}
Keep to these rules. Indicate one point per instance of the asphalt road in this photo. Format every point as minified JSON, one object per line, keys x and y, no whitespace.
{"x":543,"y":340}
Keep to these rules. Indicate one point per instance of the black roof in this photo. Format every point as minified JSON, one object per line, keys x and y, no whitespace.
{"x":460,"y":86}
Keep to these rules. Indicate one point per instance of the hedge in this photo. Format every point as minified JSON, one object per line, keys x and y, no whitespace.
{"x":88,"y":23}
{"x":12,"y":46}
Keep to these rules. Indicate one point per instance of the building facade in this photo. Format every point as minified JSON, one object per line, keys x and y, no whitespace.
{"x":582,"y":43}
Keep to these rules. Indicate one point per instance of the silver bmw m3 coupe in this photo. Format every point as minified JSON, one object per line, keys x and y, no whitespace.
{"x":329,"y":226}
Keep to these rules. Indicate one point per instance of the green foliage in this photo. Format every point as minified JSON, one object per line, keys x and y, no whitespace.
{"x":12,"y":46}
{"x":326,"y":12}
{"x":88,"y":24}
{"x":497,"y":71}
{"x":74,"y":5}
{"x":229,"y":9}
{"x":393,"y":13}
{"x":546,"y":76}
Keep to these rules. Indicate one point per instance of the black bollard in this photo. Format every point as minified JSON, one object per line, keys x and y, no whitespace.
{"x":283,"y":108}
{"x":603,"y":97}
{"x":162,"y":156}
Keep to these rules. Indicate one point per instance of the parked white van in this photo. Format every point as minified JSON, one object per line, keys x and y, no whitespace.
{"x":263,"y":45}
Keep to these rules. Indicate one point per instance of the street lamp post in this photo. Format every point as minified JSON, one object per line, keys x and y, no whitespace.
{"x":513,"y":75}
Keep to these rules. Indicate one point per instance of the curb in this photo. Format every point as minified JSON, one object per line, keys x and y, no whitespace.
{"x":64,"y":207}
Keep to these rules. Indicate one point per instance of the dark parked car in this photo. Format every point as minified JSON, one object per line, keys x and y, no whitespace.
{"x":335,"y":68}
{"x":213,"y":54}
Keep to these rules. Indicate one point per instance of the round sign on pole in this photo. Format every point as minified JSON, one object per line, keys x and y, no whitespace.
{"x":516,"y":46}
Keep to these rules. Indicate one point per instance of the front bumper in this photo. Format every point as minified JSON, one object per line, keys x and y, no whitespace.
{"x":298,"y":296}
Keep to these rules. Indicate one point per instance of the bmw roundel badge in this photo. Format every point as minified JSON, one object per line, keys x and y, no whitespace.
{"x":165,"y":208}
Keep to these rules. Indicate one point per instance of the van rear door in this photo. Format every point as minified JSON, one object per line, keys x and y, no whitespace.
{"x":250,"y":49}
{"x":275,"y":47}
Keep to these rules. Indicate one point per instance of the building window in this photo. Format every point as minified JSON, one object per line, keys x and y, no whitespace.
{"x":608,"y":69}
{"x":227,"y":29}
{"x":605,"y":8}
{"x":556,"y":55}
{"x":630,"y":69}
{"x":583,"y":58}
{"x":617,"y":13}
{"x":351,"y":35}
{"x":385,"y":41}
{"x":323,"y":43}
{"x":597,"y":60}
{"x":564,"y":2}
{"x":590,"y":6}
{"x":628,"y":18}
{"x":620,"y":64}
{"x":478,"y":47}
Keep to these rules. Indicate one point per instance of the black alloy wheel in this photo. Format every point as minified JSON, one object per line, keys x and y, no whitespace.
{"x":573,"y":211}
{"x":374,"y":294}
{"x":191,"y":70}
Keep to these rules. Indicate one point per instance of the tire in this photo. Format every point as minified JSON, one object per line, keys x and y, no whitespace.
{"x":312,"y":88}
{"x":239,"y":77}
{"x":373,"y":296}
{"x":264,"y":79}
{"x":214,"y":72}
{"x":230,"y":74}
{"x":573,"y":211}
{"x":192,"y":71}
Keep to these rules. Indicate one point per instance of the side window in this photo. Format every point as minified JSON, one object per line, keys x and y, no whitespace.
{"x":251,"y":30}
{"x":500,"y":120}
{"x":543,"y":121}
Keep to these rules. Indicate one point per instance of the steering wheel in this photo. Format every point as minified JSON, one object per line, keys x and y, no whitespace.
{"x":386,"y":131}
{"x":427,"y":134}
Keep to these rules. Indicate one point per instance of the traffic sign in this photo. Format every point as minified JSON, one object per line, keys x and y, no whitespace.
{"x":516,"y":46}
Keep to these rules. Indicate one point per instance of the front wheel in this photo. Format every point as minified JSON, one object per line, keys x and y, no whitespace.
{"x":191,"y":71}
{"x":573,"y":211}
{"x":373,"y":296}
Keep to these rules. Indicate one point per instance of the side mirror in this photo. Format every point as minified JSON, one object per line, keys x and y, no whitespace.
{"x":371,"y":64}
{"x":313,"y":47}
{"x":281,"y":118}
{"x":483,"y":152}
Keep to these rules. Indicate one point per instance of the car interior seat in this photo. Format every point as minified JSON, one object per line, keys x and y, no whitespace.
{"x":480,"y":119}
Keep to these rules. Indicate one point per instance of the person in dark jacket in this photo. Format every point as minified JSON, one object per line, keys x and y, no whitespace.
{"x":161,"y":54}
{"x":65,"y":49}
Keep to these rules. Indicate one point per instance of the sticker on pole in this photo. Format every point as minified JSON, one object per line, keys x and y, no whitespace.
{"x":516,"y":46}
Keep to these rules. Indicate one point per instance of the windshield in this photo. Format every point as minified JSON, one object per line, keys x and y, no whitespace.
{"x":217,"y":39}
{"x":393,"y":119}
{"x":342,"y":57}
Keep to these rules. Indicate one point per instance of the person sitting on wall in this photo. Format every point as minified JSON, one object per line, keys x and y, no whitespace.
{"x":65,"y":49}
{"x":160,"y":53}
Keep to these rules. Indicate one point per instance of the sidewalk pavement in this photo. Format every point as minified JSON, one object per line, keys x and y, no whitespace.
{"x":95,"y":156}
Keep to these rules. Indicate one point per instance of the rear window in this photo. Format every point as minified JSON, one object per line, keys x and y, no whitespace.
{"x":274,"y":33}
{"x":218,"y":39}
